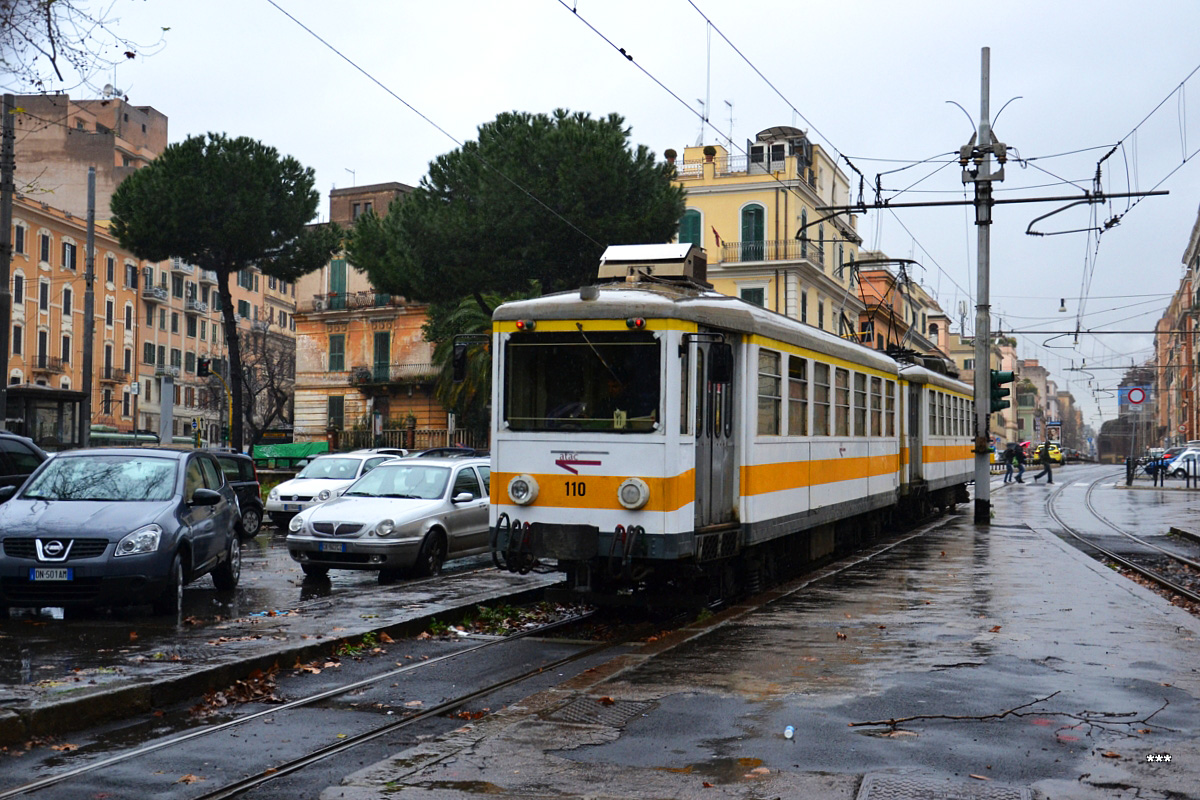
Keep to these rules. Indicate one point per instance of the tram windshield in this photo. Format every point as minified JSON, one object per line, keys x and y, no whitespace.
{"x":593,"y":381}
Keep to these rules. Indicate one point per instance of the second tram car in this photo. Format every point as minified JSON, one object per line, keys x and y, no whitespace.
{"x":655,"y":439}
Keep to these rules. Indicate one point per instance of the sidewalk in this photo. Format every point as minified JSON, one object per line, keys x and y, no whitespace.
{"x":1067,"y":681}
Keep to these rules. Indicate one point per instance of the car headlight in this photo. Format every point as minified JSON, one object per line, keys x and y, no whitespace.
{"x":273,"y":494}
{"x":143,"y":540}
{"x":296,"y":524}
{"x":523,"y":490}
{"x":385,"y":528}
{"x":324,"y":495}
{"x":633,"y":493}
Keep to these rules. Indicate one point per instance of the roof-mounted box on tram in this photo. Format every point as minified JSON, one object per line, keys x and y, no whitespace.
{"x":630,"y":262}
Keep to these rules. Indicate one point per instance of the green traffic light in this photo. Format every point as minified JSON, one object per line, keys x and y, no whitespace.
{"x":999,"y":391}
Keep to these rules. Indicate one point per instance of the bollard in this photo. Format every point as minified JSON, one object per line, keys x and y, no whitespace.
{"x":1129,"y":472}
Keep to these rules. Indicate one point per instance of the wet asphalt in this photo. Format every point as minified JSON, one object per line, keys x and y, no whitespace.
{"x":1021,"y":667}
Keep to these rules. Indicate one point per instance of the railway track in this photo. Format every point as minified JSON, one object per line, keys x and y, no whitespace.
{"x":1185,"y":566}
{"x":120,"y":768}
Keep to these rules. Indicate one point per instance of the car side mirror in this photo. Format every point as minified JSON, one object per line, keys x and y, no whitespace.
{"x":462,"y":497}
{"x":205,"y":497}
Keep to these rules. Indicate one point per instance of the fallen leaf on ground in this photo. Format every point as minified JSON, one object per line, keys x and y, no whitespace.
{"x":133,"y":636}
{"x":980,"y":777}
{"x":841,"y":635}
{"x":606,"y":701}
{"x":383,"y":637}
{"x":189,"y":779}
{"x":1110,"y":754}
{"x":995,"y":629}
{"x":64,"y":748}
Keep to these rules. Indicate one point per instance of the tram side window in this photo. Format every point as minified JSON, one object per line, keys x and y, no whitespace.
{"x":876,"y":406}
{"x":841,"y":399}
{"x":890,"y":399}
{"x":860,"y":404}
{"x":797,"y":396}
{"x":820,"y":399}
{"x":932,"y":413}
{"x":770,"y":396}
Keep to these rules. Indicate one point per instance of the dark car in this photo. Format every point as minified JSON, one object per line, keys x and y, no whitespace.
{"x":19,"y":457}
{"x":243,"y":477}
{"x":451,"y":452}
{"x":109,"y":526}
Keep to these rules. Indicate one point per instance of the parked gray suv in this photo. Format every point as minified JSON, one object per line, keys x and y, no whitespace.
{"x":108,"y":526}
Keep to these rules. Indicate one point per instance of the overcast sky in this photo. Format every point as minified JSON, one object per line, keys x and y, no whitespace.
{"x":868,"y":80}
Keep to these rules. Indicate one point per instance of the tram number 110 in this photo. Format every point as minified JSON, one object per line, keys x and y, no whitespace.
{"x":576,"y":488}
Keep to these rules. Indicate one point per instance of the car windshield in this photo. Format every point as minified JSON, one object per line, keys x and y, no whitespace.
{"x":414,"y":481}
{"x":103,"y":476}
{"x":338,"y":469}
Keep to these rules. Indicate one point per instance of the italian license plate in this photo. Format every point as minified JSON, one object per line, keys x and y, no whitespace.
{"x":331,"y":547}
{"x":51,"y":573}
{"x":291,"y":506}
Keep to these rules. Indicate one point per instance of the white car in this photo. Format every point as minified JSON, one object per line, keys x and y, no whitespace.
{"x":411,"y":513}
{"x":320,"y":480}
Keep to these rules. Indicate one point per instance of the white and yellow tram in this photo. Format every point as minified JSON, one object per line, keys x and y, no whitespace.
{"x":653,"y":435}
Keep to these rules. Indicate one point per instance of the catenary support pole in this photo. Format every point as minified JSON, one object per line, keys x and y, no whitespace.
{"x":89,"y":314}
{"x":981,"y":175}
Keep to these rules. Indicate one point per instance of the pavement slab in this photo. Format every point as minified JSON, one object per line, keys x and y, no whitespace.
{"x":1011,"y":665}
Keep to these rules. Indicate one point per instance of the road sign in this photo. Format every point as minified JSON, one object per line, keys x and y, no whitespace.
{"x":1137,"y":395}
{"x":195,"y":424}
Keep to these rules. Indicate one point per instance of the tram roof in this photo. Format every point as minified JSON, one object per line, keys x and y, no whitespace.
{"x":688,"y":302}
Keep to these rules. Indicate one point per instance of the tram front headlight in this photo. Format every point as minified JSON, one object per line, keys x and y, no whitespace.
{"x":522,"y":490}
{"x":633,"y":493}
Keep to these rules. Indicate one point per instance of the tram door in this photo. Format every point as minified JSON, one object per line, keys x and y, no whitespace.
{"x":915,"y":468}
{"x":714,"y":431}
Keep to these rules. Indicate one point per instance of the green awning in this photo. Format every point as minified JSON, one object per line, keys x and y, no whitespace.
{"x":289,"y":452}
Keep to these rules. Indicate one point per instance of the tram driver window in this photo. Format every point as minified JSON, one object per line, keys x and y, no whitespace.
{"x":594,"y":381}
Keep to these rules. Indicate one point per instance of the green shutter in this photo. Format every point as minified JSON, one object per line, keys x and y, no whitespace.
{"x":689,"y":229}
{"x":337,"y":352}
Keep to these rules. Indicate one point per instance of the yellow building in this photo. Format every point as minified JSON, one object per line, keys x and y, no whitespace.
{"x":757,"y":217}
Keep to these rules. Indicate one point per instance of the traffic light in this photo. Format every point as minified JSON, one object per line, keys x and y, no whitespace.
{"x":203,"y":367}
{"x":999,"y":391}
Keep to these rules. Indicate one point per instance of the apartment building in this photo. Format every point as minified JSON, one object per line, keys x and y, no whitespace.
{"x":755,"y":215}
{"x":47,"y":334}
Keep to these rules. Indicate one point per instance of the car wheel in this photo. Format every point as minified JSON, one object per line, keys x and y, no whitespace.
{"x":251,"y":522}
{"x":313,"y":571}
{"x":432,"y":555}
{"x":387,"y":576}
{"x":226,"y":575}
{"x":171,"y":599}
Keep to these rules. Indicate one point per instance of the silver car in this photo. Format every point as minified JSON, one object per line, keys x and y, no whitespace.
{"x":408,"y":514}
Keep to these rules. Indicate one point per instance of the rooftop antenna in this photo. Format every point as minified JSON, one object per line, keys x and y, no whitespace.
{"x":703,"y":120}
{"x":353,"y":176}
{"x":729,"y":138}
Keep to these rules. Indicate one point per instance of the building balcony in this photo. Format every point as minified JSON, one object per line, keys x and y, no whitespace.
{"x":155,"y":294}
{"x":774,"y":250}
{"x":113,"y":375}
{"x":47,"y":364}
{"x":384,"y":374}
{"x":349,"y":301}
{"x":208,"y":276}
{"x":194,"y":306}
{"x":179,"y":265}
{"x":163,"y":370}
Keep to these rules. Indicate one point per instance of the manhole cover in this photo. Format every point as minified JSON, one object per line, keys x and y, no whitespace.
{"x":591,"y":711}
{"x":905,"y":787}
